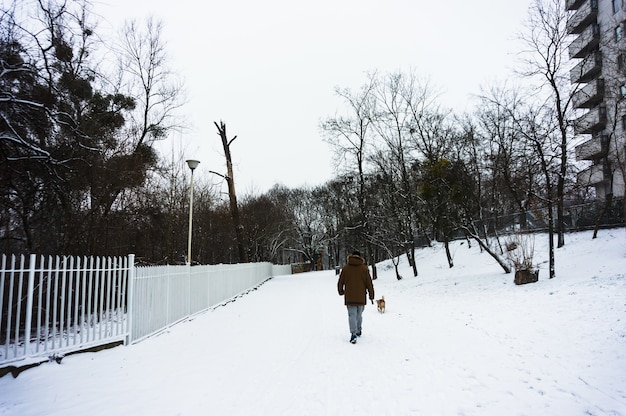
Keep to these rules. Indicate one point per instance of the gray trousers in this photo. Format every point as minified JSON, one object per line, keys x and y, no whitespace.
{"x":355,"y":317}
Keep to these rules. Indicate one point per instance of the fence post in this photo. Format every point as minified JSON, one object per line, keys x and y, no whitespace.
{"x":130,"y":299}
{"x":29,"y":303}
{"x":188,"y":288}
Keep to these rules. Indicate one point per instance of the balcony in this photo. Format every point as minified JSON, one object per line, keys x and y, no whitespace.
{"x":589,"y":96}
{"x":593,"y":120}
{"x":586,"y":42}
{"x":583,"y":17}
{"x":594,"y":148}
{"x":593,"y":175}
{"x":574,"y":4}
{"x":587,"y":69}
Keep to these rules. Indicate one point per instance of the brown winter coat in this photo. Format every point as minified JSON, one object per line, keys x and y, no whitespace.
{"x":355,"y":281}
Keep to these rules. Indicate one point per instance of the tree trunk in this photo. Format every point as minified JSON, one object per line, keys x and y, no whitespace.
{"x":448,"y":254}
{"x":413,"y":262}
{"x":551,"y":239}
{"x":501,"y":262}
{"x":396,"y":262}
{"x":608,"y":199}
{"x":232,"y":195}
{"x":560,"y":196}
{"x":607,"y":203}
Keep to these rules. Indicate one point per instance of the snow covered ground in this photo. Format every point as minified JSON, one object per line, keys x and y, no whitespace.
{"x":460,"y":341}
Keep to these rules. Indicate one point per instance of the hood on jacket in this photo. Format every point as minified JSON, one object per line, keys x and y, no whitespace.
{"x":355,"y":260}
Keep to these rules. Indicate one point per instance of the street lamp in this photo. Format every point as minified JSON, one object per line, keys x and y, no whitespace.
{"x":193,"y":164}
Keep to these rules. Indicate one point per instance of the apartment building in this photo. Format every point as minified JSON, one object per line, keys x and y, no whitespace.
{"x":599,"y":51}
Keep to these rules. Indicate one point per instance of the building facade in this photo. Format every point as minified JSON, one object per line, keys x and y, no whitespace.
{"x":599,"y":51}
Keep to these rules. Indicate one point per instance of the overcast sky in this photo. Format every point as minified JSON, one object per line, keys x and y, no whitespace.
{"x":268,"y":69}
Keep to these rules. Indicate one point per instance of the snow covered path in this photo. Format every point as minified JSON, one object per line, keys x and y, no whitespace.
{"x":461,"y":341}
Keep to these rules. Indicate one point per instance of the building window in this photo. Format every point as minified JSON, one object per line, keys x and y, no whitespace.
{"x":617,"y":4}
{"x":619,"y":33}
{"x":622,"y":90}
{"x":621,"y":62}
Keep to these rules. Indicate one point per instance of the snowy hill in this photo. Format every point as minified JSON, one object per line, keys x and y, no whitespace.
{"x":454,"y":341}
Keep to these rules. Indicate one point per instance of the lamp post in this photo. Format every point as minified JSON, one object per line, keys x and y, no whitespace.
{"x":193,"y":164}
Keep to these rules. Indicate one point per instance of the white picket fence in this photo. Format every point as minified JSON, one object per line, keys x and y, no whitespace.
{"x":165,"y":295}
{"x":51,"y":306}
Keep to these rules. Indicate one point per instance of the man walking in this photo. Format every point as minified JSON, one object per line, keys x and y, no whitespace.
{"x":354,"y":284}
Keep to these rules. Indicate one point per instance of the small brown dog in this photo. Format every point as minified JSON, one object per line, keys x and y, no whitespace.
{"x":381,"y":304}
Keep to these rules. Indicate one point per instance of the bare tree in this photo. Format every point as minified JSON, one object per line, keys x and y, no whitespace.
{"x":144,"y":72}
{"x":538,"y":130}
{"x":268,"y":225}
{"x":547,"y":41}
{"x":512,"y":168}
{"x":310,"y":235}
{"x":388,"y":215}
{"x":350,"y":136}
{"x":232,"y":194}
{"x":524,"y":136}
{"x":472,"y":149}
{"x":339,"y":217}
{"x":396,"y":94}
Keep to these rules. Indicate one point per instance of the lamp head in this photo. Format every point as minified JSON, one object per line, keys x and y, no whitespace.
{"x":192,"y":164}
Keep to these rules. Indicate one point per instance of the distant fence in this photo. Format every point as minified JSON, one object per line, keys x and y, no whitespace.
{"x":51,"y":306}
{"x":575,"y":218}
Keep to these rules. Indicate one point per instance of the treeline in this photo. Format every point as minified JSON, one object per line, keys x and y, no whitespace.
{"x":80,"y":174}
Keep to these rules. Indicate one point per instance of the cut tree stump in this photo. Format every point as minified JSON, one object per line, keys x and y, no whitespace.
{"x":526,"y":276}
